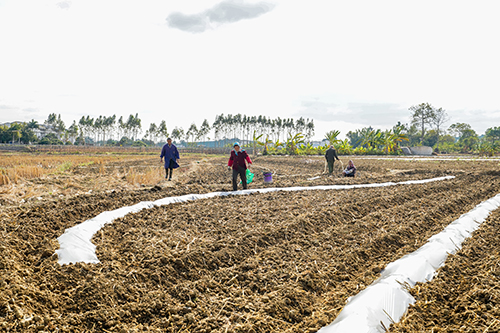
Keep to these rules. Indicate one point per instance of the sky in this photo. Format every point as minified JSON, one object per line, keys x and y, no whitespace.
{"x":345,"y":64}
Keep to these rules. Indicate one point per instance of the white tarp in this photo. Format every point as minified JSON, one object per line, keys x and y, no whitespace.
{"x":419,"y":158}
{"x":76,"y":246}
{"x":387,"y":299}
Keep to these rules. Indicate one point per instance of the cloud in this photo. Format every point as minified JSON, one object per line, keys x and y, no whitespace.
{"x":8,"y":108}
{"x":378,"y":113}
{"x":368,"y":114}
{"x":479,"y":120}
{"x":319,"y":110}
{"x":228,"y":11}
{"x":190,"y":23}
{"x":9,"y":113}
{"x":64,"y":4}
{"x":30,"y":111}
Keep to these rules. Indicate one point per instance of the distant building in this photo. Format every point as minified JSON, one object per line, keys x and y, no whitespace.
{"x":43,"y":130}
{"x":316,"y":144}
{"x":223,"y":143}
{"x":40,"y":132}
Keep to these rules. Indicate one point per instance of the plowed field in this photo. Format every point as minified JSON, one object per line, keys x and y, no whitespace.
{"x":465,"y":295}
{"x":275,"y":262}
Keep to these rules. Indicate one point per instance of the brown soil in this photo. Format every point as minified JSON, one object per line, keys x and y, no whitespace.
{"x":276,"y":262}
{"x":465,"y":295}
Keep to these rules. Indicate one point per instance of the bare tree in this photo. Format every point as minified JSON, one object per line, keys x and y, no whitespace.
{"x":440,"y":118}
{"x":422,"y":114}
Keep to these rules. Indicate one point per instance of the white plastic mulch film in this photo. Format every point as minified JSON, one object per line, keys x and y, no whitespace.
{"x":372,"y":310}
{"x":387,"y":299}
{"x":76,"y":246}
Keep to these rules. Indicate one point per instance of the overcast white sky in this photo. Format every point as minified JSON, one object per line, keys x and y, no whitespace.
{"x":347,"y":64}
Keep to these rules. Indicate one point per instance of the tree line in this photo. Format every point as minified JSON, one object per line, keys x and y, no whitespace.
{"x":111,"y":130}
{"x":427,"y":128}
{"x":272,"y":135}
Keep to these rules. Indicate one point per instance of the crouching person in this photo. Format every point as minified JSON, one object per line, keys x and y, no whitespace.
{"x":238,"y":162}
{"x":350,"y":171}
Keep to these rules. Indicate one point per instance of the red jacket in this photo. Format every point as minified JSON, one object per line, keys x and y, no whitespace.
{"x":238,"y":160}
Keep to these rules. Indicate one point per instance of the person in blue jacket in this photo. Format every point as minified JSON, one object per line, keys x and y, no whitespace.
{"x":171,"y":155}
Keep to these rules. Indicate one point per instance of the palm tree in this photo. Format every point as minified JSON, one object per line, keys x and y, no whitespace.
{"x":293,"y":141}
{"x":398,"y":136}
{"x":331,"y":136}
{"x":256,"y":142}
{"x":388,"y":141}
{"x":344,"y":147}
{"x":371,"y":138}
{"x":266,"y":144}
{"x":32,"y":124}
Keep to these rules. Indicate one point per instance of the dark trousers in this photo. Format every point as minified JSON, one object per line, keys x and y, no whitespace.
{"x":243,"y":175}
{"x":167,"y":173}
{"x":330,"y":166}
{"x":171,"y":168}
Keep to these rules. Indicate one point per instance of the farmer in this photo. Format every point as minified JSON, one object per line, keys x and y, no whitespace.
{"x":171,"y":155}
{"x":331,"y":155}
{"x":350,"y":171}
{"x":238,"y":161}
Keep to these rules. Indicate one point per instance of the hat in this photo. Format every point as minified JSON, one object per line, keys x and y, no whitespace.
{"x":236,"y":144}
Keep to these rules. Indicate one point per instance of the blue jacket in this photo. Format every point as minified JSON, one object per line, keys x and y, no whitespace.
{"x":170,"y":153}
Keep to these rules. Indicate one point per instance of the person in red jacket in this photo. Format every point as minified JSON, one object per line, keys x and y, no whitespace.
{"x":238,"y":162}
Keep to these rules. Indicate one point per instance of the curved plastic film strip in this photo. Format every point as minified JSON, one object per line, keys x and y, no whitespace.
{"x":387,"y":299}
{"x":76,"y":246}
